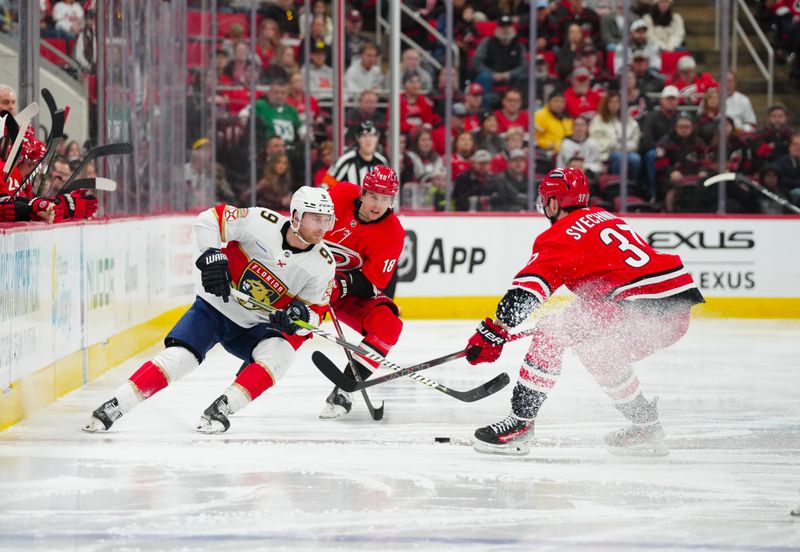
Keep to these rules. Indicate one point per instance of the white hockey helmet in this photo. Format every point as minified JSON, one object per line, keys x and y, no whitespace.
{"x":311,"y":200}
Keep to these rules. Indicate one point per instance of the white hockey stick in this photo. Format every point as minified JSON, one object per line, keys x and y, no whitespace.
{"x":24,"y":120}
{"x":97,"y":183}
{"x":736,"y":177}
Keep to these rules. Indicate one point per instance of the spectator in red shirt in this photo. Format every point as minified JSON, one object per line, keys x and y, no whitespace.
{"x":297,"y":99}
{"x":464,"y":148}
{"x":456,"y":127}
{"x":691,"y":85}
{"x":580,"y":98}
{"x":473,"y":106}
{"x":511,"y":114}
{"x":415,"y":109}
{"x":514,"y":139}
{"x":269,"y":41}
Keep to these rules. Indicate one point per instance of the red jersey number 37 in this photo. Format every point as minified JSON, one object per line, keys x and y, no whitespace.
{"x":636,"y":257}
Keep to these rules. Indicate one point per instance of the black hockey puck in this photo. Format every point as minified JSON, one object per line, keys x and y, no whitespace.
{"x":442,"y":439}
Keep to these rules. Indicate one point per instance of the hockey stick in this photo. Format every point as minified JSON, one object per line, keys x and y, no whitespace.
{"x":56,"y":132}
{"x":97,"y":183}
{"x":121,"y":148}
{"x":13,"y":129}
{"x":736,"y":177}
{"x":484,"y":390}
{"x":332,"y":372}
{"x":48,"y":98}
{"x":23,"y":120}
{"x":375,"y":413}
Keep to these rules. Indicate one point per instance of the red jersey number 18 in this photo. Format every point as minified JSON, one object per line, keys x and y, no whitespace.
{"x":637,"y":258}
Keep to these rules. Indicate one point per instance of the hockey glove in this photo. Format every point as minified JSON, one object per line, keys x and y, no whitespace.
{"x":42,"y":209}
{"x":78,"y":204}
{"x":214,"y":273}
{"x":487,"y":343}
{"x":341,"y":284}
{"x":283,"y":319}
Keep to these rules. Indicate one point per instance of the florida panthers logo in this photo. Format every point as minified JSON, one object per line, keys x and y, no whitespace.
{"x":260,"y":283}
{"x":346,"y":259}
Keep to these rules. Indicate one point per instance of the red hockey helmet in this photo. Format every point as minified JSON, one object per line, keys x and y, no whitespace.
{"x":381,"y":180}
{"x":569,"y":186}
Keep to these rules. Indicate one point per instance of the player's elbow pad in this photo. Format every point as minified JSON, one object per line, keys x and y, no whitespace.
{"x":516,"y":306}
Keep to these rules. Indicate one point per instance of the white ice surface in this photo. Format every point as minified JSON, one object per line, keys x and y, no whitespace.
{"x":281,"y":479}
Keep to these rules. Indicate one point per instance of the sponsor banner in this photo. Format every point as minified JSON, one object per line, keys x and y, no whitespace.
{"x":68,"y":287}
{"x":478,"y":256}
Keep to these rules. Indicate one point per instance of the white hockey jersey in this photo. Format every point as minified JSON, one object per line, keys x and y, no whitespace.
{"x":263,"y":265}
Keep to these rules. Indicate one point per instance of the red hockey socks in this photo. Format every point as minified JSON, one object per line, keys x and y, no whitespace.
{"x":254,"y":379}
{"x":149,"y":379}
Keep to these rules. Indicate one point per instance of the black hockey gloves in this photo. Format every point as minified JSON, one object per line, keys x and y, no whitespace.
{"x":282,"y":319}
{"x":215,"y":275}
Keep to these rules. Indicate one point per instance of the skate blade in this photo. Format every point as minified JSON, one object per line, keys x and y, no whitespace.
{"x":209,"y":426}
{"x":650,"y":450}
{"x":94,"y":426}
{"x":515,"y":449}
{"x":332,"y":411}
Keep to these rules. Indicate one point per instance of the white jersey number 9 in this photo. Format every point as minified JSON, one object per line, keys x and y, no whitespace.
{"x":637,"y":258}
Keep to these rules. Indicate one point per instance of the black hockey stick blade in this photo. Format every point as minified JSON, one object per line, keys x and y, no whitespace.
{"x":11,"y":131}
{"x":332,"y":372}
{"x":105,"y":184}
{"x":121,"y":148}
{"x":48,"y":98}
{"x":482,"y":391}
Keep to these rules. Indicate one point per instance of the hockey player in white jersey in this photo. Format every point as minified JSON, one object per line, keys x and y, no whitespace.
{"x":274,"y":259}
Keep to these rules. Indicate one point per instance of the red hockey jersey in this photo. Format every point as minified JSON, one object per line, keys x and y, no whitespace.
{"x":372,"y":247}
{"x":599,"y":257}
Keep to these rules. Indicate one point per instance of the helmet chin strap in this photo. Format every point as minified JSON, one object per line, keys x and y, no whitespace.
{"x":296,"y":231}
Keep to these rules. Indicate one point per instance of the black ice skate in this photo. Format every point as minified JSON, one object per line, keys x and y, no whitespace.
{"x":509,"y":436}
{"x":104,"y":417}
{"x":215,"y":417}
{"x":644,"y":437}
{"x":337,"y":404}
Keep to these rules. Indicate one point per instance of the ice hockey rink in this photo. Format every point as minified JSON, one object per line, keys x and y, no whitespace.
{"x":281,"y":479}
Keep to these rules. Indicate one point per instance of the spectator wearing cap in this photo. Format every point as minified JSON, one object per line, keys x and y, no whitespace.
{"x":552,"y":124}
{"x":689,"y":83}
{"x":606,"y":130}
{"x":738,"y":107}
{"x":574,"y":11}
{"x":593,"y":60}
{"x":473,"y":102}
{"x":317,"y":40}
{"x":415,"y":109}
{"x":511,"y":113}
{"x":648,"y":80}
{"x":579,"y":97}
{"x":353,"y":38}
{"x":486,"y":135}
{"x":366,"y":110}
{"x":456,"y":128}
{"x":665,"y":26}
{"x":579,"y":143}
{"x":772,"y":141}
{"x":411,"y":61}
{"x":462,"y":152}
{"x":512,"y":183}
{"x":473,"y":190}
{"x":424,"y":158}
{"x":499,"y":60}
{"x":320,"y":73}
{"x":358,"y":160}
{"x":655,"y":125}
{"x":680,"y":159}
{"x":638,"y":41}
{"x":364,"y":72}
{"x":514,"y":139}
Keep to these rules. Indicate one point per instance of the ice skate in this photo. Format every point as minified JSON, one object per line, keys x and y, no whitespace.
{"x":510,"y":436}
{"x":104,"y":417}
{"x":644,"y":437}
{"x":337,"y":404}
{"x":638,"y":440}
{"x":215,"y":417}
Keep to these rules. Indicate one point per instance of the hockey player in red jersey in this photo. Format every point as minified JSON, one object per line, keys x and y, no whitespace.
{"x":631,"y":301}
{"x":366,"y":240}
{"x":277,"y":260}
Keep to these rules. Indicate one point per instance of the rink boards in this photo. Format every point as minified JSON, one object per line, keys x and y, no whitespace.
{"x":78,"y":299}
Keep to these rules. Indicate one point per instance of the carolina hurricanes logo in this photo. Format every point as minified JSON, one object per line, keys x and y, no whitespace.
{"x":346,"y":259}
